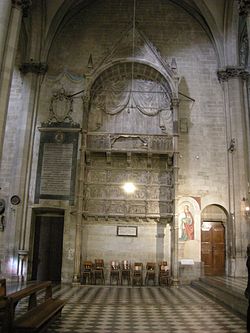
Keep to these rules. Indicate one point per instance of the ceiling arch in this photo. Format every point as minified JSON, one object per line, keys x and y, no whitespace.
{"x":199,"y":11}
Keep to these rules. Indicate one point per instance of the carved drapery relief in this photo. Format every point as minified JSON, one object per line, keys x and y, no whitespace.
{"x":130,"y":102}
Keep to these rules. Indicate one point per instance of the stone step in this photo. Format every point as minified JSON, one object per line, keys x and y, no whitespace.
{"x":231,"y":298}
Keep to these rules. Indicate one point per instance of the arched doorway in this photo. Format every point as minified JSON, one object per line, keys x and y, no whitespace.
{"x":213,"y":240}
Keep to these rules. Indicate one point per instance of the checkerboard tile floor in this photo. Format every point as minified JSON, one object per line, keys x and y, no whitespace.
{"x":103,"y":309}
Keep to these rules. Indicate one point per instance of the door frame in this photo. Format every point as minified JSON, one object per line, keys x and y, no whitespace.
{"x":44,"y":212}
{"x":224,"y":226}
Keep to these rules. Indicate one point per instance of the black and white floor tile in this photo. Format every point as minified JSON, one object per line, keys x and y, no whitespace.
{"x":125,"y":309}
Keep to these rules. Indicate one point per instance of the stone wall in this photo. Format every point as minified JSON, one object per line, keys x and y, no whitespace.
{"x":96,"y":30}
{"x":175,"y":34}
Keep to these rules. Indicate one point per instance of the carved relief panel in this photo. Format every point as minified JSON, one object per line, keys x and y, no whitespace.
{"x":106,"y":197}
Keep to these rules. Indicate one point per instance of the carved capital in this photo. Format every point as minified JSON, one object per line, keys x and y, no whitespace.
{"x":231,"y":72}
{"x":175,"y":102}
{"x":244,"y":7}
{"x":24,"y":5}
{"x":34,"y":67}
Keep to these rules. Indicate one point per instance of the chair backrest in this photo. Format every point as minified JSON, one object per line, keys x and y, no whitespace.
{"x":125,"y":264}
{"x":114,"y":265}
{"x":87,"y":265}
{"x":163,"y":266}
{"x":151,"y":266}
{"x":99,"y":263}
{"x":138,"y":266}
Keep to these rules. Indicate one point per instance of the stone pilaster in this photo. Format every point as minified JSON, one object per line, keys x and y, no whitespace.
{"x":79,"y":211}
{"x":233,"y":80}
{"x":5,"y":8}
{"x":174,"y":228}
{"x":8,"y":65}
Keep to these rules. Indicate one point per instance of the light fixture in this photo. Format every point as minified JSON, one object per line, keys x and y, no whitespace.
{"x":247,"y":206}
{"x":129,"y":187}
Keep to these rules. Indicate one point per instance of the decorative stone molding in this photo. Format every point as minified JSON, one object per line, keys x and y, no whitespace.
{"x":22,"y":4}
{"x":232,"y":72}
{"x":160,"y":144}
{"x":88,"y":220}
{"x":244,"y":7}
{"x":34,"y":67}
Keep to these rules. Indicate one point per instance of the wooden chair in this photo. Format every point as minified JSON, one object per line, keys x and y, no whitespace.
{"x":150,"y":273}
{"x":164,"y":274}
{"x":98,"y":271}
{"x":137,"y":275}
{"x":87,"y":272}
{"x":125,"y":272}
{"x":114,"y":272}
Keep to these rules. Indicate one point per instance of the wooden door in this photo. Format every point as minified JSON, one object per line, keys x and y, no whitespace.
{"x":213,"y":248}
{"x":47,"y":258}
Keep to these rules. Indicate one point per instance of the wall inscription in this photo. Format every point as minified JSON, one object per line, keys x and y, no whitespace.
{"x":57,"y":160}
{"x":56,"y":169}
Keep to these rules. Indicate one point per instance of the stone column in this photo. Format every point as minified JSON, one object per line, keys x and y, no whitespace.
{"x":8,"y":61}
{"x":244,"y":10}
{"x":174,"y":229}
{"x":80,"y":196}
{"x":5,"y":8}
{"x":232,"y":80}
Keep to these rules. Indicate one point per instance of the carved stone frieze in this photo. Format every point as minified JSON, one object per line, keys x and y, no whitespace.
{"x":114,"y":220}
{"x":232,"y":72}
{"x":34,"y":67}
{"x":244,"y":7}
{"x":106,"y":198}
{"x":121,"y":142}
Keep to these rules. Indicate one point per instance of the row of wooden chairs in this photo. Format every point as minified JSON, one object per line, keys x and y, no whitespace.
{"x":124,"y":272}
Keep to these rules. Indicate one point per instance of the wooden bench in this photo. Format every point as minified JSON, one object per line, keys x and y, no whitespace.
{"x":2,"y":303}
{"x":38,"y":316}
{"x":2,"y":287}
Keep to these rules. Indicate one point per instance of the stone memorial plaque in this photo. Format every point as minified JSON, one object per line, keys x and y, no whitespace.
{"x":56,"y":169}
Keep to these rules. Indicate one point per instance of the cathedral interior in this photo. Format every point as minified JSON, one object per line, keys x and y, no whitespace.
{"x":124,"y":136}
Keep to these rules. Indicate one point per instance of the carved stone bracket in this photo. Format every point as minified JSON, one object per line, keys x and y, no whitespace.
{"x":22,"y":4}
{"x":232,"y":72}
{"x":139,"y":221}
{"x":244,"y":7}
{"x":34,"y":67}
